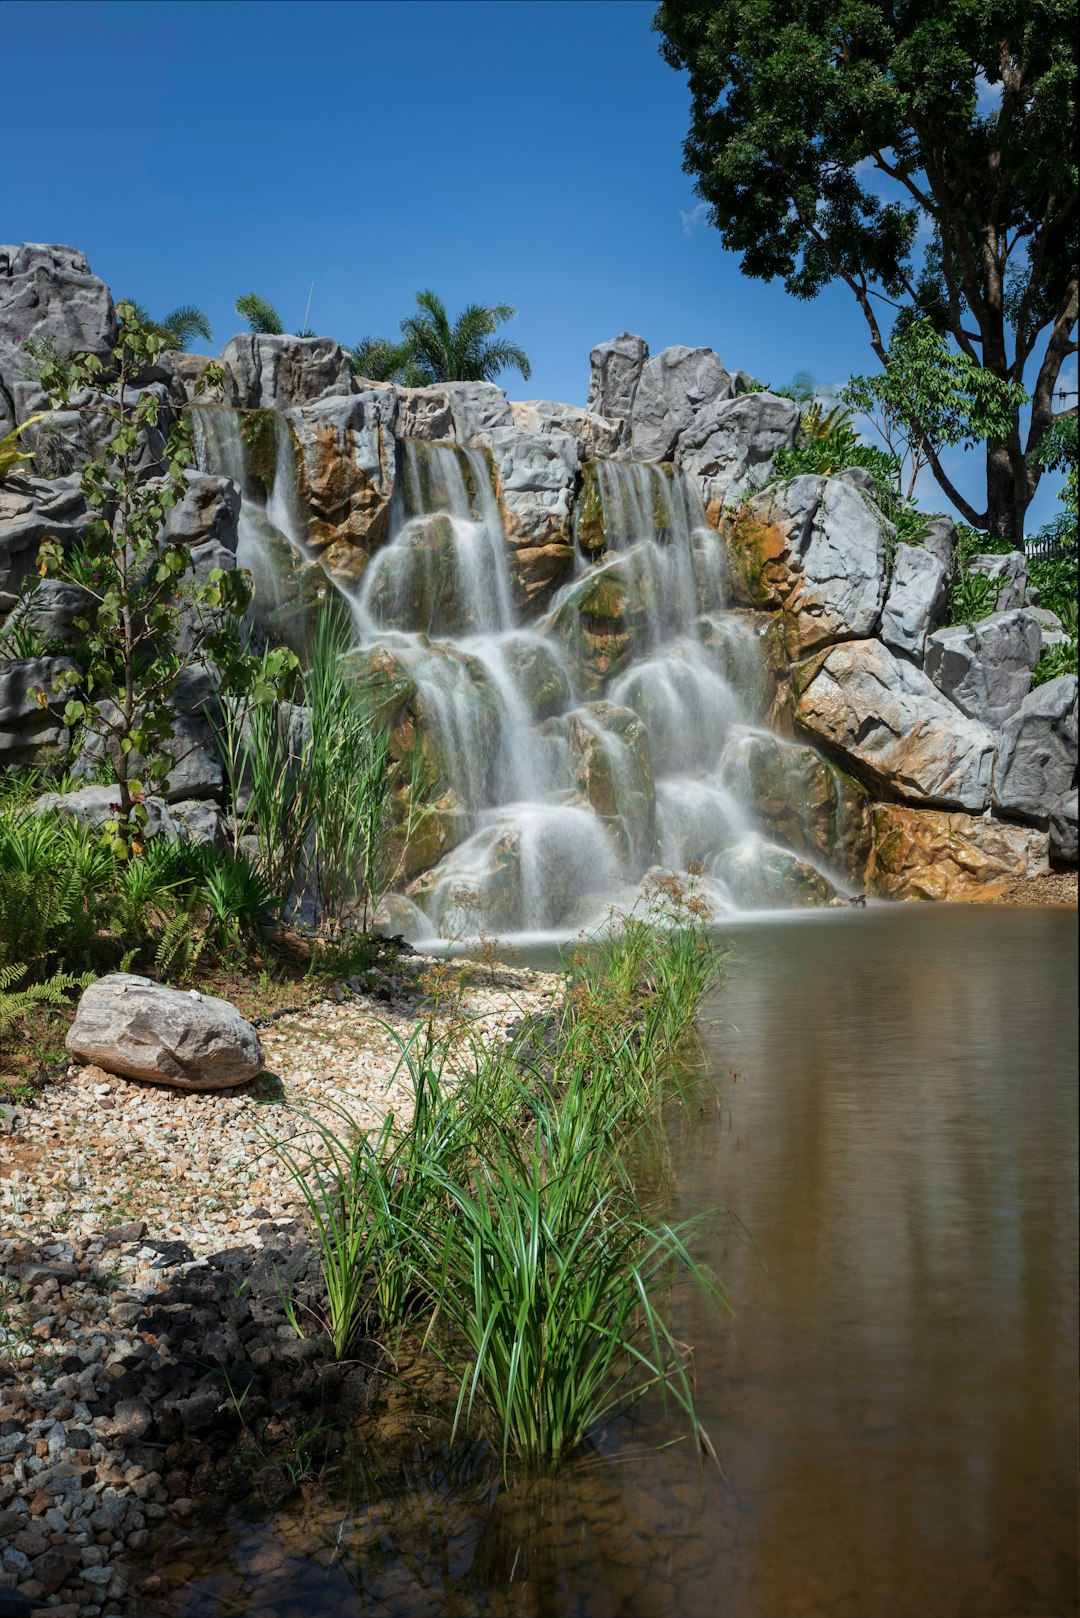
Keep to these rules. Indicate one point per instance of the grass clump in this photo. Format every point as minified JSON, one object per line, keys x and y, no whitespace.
{"x":501,"y":1229}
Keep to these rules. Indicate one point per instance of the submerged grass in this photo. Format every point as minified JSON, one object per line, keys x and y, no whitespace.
{"x":503,"y":1219}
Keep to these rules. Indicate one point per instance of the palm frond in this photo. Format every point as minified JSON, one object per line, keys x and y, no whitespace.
{"x":262,"y":318}
{"x":180,"y":325}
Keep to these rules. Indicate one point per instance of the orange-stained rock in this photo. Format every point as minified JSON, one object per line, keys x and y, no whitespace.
{"x":943,"y":854}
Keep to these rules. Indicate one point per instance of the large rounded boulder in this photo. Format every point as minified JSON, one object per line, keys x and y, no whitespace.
{"x":141,"y":1030}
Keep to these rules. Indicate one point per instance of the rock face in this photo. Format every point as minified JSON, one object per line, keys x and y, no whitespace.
{"x":1036,"y":766}
{"x":1008,"y":572}
{"x":814,"y":807}
{"x":25,"y":726}
{"x":816,"y":549}
{"x":276,"y":373}
{"x":730,"y":445}
{"x":346,"y":466}
{"x":596,"y":437}
{"x":48,"y":293}
{"x":536,"y":474}
{"x":1063,"y":829}
{"x":36,"y":507}
{"x":614,"y":373}
{"x":916,"y":601}
{"x":196,"y":769}
{"x":94,"y":805}
{"x":931,"y":854}
{"x":939,"y":538}
{"x":140,"y":1030}
{"x":208,"y":513}
{"x":986,"y":668}
{"x":893,"y":726}
{"x":674,"y":385}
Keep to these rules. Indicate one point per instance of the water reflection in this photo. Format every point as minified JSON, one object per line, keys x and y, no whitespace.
{"x":895,"y":1397}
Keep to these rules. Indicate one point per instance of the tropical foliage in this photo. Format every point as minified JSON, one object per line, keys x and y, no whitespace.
{"x":179,"y":327}
{"x":130,"y":663}
{"x":435,"y":349}
{"x":924,"y":156}
{"x":262,"y":317}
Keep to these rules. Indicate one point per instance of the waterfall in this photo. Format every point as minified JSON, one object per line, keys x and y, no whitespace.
{"x":604,"y":739}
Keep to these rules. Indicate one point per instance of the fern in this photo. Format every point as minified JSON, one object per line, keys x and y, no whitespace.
{"x":52,"y":991}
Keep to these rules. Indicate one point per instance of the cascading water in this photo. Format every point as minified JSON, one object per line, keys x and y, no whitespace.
{"x":574,"y":754}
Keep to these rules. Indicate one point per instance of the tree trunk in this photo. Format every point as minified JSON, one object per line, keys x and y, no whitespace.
{"x":1005,"y":506}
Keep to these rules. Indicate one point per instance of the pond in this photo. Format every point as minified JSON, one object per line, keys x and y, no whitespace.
{"x":893,"y":1396}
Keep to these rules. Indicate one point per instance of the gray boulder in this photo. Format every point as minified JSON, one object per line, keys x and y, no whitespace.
{"x":1063,"y":832}
{"x":425,"y":413}
{"x":197,"y":770}
{"x":1036,"y":766}
{"x":673,"y":387}
{"x":1008,"y":572}
{"x":141,"y":1030}
{"x":198,"y":821}
{"x":536,"y":474}
{"x":275,"y":373}
{"x":30,"y":508}
{"x":1051,"y":628}
{"x":743,"y":382}
{"x":986,"y":668}
{"x":26,"y":726}
{"x":345,"y":467}
{"x":49,"y":610}
{"x":614,"y":373}
{"x":830,"y":575}
{"x":209,"y":512}
{"x":477,"y":409}
{"x":939,"y":538}
{"x":918,"y":593}
{"x":861,"y":479}
{"x":598,"y":438}
{"x":893,"y":727}
{"x":94,"y":805}
{"x":731,"y":444}
{"x":48,"y":293}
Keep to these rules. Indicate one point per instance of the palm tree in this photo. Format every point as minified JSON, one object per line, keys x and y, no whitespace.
{"x":380,"y":359}
{"x":462,"y":352}
{"x":179,"y":326}
{"x":262,"y":318}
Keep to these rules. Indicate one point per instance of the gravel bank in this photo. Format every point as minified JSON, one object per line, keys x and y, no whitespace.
{"x":144,"y":1237}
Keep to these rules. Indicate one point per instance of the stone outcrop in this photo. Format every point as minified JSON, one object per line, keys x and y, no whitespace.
{"x":730,"y":445}
{"x":346,"y":464}
{"x":30,"y":509}
{"x":986,"y":668}
{"x":615,"y":371}
{"x":196,"y":770}
{"x":48,"y":294}
{"x":815,"y":549}
{"x":94,"y":805}
{"x":935,"y":854}
{"x":893,"y":727}
{"x":673,"y":387}
{"x":1036,"y":767}
{"x":137,"y":1029}
{"x":207,"y":515}
{"x":811,"y":805}
{"x":1063,"y":828}
{"x":1008,"y":573}
{"x":27,"y":724}
{"x":536,"y":475}
{"x":277,"y":373}
{"x":596,"y":437}
{"x":915,"y":604}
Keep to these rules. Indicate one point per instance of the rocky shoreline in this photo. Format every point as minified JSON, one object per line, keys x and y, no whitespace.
{"x":147,"y":1238}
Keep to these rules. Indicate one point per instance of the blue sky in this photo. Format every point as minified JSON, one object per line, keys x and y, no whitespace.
{"x":520,"y":151}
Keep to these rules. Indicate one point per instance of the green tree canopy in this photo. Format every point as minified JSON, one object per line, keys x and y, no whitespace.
{"x":924,"y":153}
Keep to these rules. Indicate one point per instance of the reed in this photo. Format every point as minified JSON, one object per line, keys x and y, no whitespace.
{"x":505,"y":1215}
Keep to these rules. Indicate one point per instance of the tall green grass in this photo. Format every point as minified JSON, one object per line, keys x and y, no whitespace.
{"x":505,"y":1220}
{"x":312,"y":779}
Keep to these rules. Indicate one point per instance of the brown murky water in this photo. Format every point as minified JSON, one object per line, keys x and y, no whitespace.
{"x":894,"y":1397}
